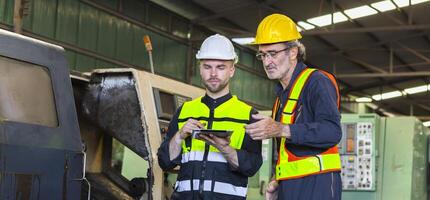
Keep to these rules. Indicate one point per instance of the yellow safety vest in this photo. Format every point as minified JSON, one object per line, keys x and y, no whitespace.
{"x":231,"y":115}
{"x":290,"y":166}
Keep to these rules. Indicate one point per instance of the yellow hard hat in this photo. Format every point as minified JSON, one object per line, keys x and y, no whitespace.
{"x":276,"y":28}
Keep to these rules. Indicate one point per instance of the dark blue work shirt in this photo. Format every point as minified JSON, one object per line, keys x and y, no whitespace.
{"x":317,"y":126}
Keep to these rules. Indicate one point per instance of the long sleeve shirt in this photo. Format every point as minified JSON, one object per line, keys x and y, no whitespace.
{"x":317,"y":126}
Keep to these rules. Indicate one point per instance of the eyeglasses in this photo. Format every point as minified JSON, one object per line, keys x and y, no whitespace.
{"x":270,"y":54}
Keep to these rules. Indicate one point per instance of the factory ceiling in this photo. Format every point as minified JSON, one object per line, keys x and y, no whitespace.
{"x":378,"y":49}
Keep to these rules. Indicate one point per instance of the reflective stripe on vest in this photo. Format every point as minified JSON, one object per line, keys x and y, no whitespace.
{"x":219,"y":187}
{"x":290,"y":166}
{"x":198,"y":156}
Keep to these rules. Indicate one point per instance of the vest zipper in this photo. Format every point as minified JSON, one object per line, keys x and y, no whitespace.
{"x":205,"y":155}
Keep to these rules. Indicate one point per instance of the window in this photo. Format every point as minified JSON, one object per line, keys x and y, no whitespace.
{"x":127,"y":163}
{"x":26,"y":93}
{"x":167,"y":103}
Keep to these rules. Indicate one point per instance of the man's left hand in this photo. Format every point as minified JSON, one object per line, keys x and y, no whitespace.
{"x":221,"y":143}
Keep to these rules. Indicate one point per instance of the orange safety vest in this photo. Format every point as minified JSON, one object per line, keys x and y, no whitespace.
{"x":290,"y":166}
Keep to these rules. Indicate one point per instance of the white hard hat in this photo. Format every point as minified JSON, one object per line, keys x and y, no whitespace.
{"x":217,"y":47}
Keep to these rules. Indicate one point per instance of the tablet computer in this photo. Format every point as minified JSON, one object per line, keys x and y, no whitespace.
{"x":218,"y":133}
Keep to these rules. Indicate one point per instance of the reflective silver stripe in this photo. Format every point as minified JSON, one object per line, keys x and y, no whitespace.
{"x":198,"y":156}
{"x":216,"y":157}
{"x":219,"y":187}
{"x":186,"y":185}
{"x":227,"y":188}
{"x":192,"y":156}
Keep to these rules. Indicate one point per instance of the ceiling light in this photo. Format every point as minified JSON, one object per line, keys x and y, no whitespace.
{"x":401,"y":3}
{"x":387,"y":95}
{"x":305,"y":25}
{"x":363,"y":100}
{"x":321,"y":20}
{"x":361,"y":11}
{"x":243,"y":41}
{"x":383,"y":6}
{"x":427,"y":123}
{"x":299,"y":28}
{"x":418,"y":89}
{"x":339,"y":17}
{"x":413,"y":2}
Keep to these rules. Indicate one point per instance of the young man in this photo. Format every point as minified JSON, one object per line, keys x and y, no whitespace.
{"x":305,"y":118}
{"x":212,"y":167}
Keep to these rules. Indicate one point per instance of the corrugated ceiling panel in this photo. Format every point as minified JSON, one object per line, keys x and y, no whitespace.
{"x":195,"y":76}
{"x":246,"y":58}
{"x":67,"y":21}
{"x":104,"y":64}
{"x":140,"y":56}
{"x":7,"y":11}
{"x":157,"y":51}
{"x":236,"y":83}
{"x":124,"y":41}
{"x":179,"y":27}
{"x":248,"y":90}
{"x":106,"y":35}
{"x":27,"y":23}
{"x":44,"y":16}
{"x":112,"y":4}
{"x":158,"y":18}
{"x":134,"y":9}
{"x":88,"y":27}
{"x":2,"y":10}
{"x":175,"y":66}
{"x":84,"y":63}
{"x":71,"y":59}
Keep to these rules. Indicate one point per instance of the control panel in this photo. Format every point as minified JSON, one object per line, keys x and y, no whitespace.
{"x":166,"y":104}
{"x":357,"y":156}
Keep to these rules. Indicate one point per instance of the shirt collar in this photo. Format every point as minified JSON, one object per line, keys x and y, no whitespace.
{"x":213,"y":103}
{"x":299,"y":68}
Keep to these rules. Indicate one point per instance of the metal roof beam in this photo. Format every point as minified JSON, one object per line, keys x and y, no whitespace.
{"x":224,"y":12}
{"x":368,"y":29}
{"x":393,"y":74}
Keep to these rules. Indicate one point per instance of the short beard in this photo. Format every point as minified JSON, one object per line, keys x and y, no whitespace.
{"x":215,"y":90}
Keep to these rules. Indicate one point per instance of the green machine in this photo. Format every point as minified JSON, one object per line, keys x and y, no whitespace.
{"x":383,"y":158}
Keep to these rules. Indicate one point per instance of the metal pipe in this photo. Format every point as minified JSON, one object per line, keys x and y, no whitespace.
{"x":148,"y":47}
{"x":17,"y":17}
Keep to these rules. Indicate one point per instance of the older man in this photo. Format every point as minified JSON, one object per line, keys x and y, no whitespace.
{"x":305,"y":118}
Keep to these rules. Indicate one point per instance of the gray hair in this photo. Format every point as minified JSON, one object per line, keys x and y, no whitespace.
{"x":301,"y":55}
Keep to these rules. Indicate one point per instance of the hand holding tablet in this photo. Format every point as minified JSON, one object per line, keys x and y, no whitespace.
{"x":218,"y":133}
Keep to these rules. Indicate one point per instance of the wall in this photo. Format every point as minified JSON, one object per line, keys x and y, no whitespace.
{"x":108,"y":33}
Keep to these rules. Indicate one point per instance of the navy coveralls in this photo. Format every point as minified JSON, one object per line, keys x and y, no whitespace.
{"x":317,"y":128}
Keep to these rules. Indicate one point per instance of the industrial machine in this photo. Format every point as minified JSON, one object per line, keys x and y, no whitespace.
{"x":47,"y":153}
{"x":123,"y":115}
{"x":383,"y":158}
{"x":41,"y":153}
{"x":98,"y":133}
